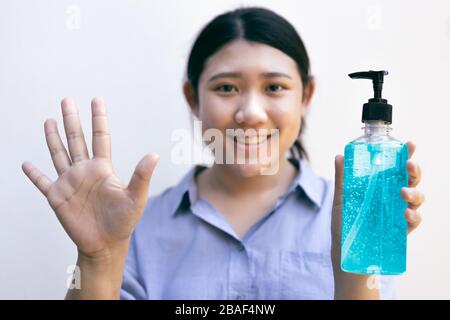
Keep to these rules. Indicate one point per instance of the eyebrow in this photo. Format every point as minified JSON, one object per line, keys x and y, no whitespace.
{"x":239,"y":75}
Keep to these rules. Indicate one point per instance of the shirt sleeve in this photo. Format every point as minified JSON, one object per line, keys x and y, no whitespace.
{"x":132,"y":288}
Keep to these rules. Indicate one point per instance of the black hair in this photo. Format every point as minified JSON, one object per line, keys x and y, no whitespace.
{"x":253,"y":24}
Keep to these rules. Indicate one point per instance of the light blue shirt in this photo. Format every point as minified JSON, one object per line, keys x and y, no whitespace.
{"x":183,"y":248}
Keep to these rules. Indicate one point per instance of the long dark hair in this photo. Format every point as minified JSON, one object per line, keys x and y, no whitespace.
{"x":254,"y":24}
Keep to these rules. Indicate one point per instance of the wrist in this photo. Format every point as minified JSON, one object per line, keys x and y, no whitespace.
{"x":99,"y":275}
{"x":106,"y":258}
{"x":352,"y":285}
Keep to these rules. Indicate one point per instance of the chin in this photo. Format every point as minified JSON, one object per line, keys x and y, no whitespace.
{"x":247,"y":170}
{"x":254,"y":170}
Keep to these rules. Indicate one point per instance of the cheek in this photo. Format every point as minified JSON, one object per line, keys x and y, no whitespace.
{"x":288,"y":121}
{"x":215,"y":112}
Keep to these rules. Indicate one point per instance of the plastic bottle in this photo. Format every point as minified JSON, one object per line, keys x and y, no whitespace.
{"x":374,"y":228}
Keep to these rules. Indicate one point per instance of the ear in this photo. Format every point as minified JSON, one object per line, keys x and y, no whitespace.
{"x":308,"y":93}
{"x":190,"y":97}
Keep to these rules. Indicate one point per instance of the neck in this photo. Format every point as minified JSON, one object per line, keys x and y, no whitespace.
{"x":222,"y":177}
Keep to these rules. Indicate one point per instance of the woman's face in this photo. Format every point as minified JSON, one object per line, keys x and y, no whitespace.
{"x":248,"y":85}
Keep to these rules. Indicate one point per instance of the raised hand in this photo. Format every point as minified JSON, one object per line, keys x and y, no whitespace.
{"x":97,"y":211}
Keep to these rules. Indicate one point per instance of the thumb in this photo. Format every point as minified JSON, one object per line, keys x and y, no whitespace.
{"x":140,"y":180}
{"x":338,"y":178}
{"x":336,"y":219}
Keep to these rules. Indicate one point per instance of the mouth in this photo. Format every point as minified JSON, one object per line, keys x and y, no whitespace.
{"x":254,"y":141}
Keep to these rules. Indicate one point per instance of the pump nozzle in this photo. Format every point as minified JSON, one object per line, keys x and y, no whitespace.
{"x":376,"y":108}
{"x":377,"y":80}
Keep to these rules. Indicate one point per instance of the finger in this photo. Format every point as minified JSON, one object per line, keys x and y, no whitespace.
{"x":413,"y":218}
{"x":138,"y":186}
{"x":414,"y":173}
{"x":414,"y":197}
{"x":74,"y":133}
{"x":101,"y":140}
{"x":58,"y":152}
{"x":41,"y":181}
{"x":411,"y":148}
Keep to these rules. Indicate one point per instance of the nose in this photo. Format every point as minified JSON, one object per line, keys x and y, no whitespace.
{"x":251,"y":111}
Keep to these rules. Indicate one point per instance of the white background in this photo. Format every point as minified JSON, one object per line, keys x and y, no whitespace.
{"x":133,"y":53}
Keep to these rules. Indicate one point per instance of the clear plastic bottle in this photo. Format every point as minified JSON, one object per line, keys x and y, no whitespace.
{"x":374,"y":228}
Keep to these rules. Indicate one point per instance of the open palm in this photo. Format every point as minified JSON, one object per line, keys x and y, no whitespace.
{"x":94,"y":207}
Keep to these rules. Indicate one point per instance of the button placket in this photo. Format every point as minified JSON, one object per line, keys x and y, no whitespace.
{"x":240,"y":278}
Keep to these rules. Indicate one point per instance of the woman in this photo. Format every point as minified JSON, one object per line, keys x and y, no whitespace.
{"x":224,"y":232}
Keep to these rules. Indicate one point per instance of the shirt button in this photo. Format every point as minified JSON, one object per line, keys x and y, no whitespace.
{"x":241,"y":247}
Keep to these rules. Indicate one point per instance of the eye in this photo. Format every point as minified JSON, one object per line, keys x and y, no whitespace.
{"x":275,"y":88}
{"x":226,"y":88}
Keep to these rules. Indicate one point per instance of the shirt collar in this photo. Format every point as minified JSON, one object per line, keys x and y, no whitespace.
{"x":185,"y":192}
{"x":309,"y":182}
{"x":312,"y":185}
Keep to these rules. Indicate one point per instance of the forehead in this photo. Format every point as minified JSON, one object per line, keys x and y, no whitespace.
{"x":251,"y":57}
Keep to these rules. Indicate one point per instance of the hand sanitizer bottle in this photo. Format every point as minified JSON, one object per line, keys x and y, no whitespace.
{"x":374,"y":227}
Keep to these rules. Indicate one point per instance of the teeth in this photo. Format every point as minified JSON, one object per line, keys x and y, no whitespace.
{"x":251,"y":140}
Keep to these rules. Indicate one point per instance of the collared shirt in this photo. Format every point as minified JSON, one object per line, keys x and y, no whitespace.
{"x":184,"y":248}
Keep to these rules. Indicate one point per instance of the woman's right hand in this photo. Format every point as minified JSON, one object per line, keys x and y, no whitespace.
{"x":98,"y":212}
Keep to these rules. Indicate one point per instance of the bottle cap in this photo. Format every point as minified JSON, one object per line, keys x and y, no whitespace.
{"x":376,"y":108}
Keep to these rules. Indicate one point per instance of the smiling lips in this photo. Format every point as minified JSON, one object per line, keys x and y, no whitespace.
{"x":250,"y":140}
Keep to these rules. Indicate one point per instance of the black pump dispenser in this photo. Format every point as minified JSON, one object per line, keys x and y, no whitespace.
{"x":376,"y":108}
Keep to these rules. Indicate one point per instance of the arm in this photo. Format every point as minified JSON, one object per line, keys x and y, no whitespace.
{"x":100,"y":277}
{"x":97,"y":211}
{"x":351,"y":286}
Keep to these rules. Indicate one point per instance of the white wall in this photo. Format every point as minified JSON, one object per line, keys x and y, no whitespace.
{"x":133,"y":53}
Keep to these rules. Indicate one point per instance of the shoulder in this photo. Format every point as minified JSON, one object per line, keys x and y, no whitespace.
{"x":319,"y":189}
{"x":165,"y":201}
{"x":161,"y":207}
